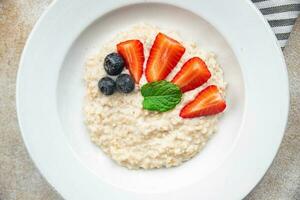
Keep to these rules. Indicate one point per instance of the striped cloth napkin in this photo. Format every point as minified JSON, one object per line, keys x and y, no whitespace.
{"x":281,"y":15}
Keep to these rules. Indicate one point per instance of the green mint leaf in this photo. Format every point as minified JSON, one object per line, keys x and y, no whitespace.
{"x":160,"y":96}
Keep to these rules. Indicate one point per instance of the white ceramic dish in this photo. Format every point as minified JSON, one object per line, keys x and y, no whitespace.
{"x":50,"y":92}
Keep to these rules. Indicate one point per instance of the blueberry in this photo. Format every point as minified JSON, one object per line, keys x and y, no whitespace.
{"x":114,"y":64}
{"x":107,"y":86}
{"x":125,"y":83}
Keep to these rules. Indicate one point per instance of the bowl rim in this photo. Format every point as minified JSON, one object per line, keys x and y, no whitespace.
{"x":56,"y":6}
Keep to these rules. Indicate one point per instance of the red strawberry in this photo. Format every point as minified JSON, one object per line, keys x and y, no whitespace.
{"x":164,"y":56}
{"x":192,"y":75}
{"x":133,"y":53}
{"x":208,"y":102}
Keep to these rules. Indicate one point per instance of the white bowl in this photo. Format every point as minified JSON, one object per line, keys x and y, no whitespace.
{"x":50,"y":93}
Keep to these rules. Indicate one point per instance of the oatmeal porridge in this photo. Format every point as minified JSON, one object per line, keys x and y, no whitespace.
{"x":138,"y":138}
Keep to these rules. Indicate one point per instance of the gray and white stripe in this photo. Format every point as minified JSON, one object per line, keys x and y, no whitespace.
{"x":281,"y":15}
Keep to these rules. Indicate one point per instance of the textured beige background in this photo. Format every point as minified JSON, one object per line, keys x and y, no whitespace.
{"x":19,"y":179}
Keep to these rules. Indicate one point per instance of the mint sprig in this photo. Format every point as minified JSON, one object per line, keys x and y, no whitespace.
{"x":160,"y":96}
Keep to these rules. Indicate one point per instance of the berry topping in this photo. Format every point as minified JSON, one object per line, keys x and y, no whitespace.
{"x":107,"y":86}
{"x":133,"y":53}
{"x":114,"y":64}
{"x":192,"y":75}
{"x":164,"y":56}
{"x":125,"y":83}
{"x":208,"y":102}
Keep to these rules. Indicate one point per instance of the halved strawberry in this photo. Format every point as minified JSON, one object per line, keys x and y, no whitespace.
{"x":133,"y":53}
{"x":208,"y":102}
{"x":164,"y":56}
{"x":192,"y":74}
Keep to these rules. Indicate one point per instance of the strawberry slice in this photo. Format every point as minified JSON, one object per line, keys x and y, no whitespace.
{"x":208,"y":102}
{"x":164,"y":56}
{"x":192,"y":74}
{"x":133,"y":53}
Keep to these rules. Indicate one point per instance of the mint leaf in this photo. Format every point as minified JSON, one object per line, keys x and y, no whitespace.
{"x":160,"y":96}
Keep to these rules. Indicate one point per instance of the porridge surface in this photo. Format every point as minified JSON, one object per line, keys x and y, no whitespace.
{"x":137,"y":138}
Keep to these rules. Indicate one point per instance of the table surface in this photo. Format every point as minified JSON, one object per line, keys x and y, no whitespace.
{"x":19,"y":178}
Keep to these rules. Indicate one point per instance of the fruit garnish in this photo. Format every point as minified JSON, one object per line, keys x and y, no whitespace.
{"x":160,"y":96}
{"x":208,"y":102}
{"x":133,"y":53}
{"x":107,"y":86}
{"x":164,"y":56}
{"x":192,"y":74}
{"x":114,"y":64}
{"x":125,"y":83}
